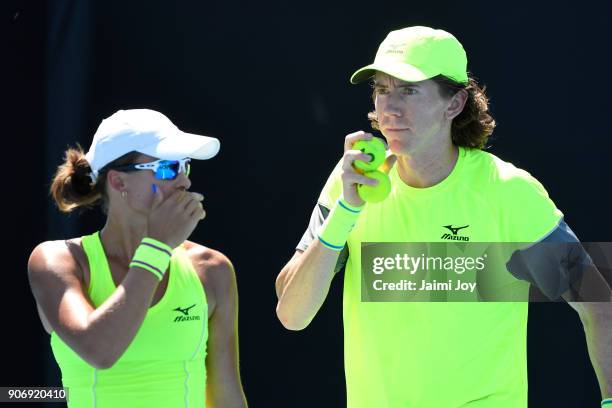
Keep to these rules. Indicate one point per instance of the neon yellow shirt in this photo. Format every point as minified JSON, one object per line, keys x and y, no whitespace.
{"x":164,"y":366}
{"x":433,"y":355}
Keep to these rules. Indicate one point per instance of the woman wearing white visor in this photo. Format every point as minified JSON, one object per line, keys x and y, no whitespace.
{"x":138,"y":315}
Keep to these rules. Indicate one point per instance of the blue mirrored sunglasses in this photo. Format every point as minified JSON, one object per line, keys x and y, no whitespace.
{"x":163,"y":169}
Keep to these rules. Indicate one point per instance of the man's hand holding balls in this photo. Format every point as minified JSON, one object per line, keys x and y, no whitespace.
{"x":365,"y":169}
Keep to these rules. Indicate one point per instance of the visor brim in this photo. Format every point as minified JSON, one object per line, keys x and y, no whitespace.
{"x":404,"y":72}
{"x":183,"y":145}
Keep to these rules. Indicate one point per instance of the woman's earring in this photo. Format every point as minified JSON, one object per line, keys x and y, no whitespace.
{"x":123,"y":194}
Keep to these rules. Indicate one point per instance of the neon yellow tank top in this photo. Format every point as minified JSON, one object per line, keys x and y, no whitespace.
{"x":164,"y":366}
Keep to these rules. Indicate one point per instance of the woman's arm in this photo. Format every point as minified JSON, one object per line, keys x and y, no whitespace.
{"x":98,"y":335}
{"x":223,"y":385}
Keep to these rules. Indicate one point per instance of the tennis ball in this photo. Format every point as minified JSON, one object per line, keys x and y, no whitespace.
{"x":377,"y":193}
{"x":375,"y":148}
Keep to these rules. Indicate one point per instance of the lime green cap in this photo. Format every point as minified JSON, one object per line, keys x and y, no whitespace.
{"x":418,"y":53}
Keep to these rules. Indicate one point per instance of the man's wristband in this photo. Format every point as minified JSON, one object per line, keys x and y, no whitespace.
{"x":607,"y":403}
{"x":335,"y":230}
{"x":153,"y":256}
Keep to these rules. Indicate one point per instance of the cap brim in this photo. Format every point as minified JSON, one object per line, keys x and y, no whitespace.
{"x":182,"y":145}
{"x":402,"y":71}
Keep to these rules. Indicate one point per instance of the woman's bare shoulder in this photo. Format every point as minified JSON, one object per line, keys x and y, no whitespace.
{"x":60,"y":257}
{"x":211,"y":265}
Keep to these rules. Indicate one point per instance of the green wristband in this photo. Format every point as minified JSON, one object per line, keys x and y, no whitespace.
{"x":153,"y":256}
{"x":607,"y":403}
{"x":335,"y":230}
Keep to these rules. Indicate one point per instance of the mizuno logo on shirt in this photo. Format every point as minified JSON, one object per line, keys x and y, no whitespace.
{"x":185,"y":312}
{"x":455,"y":236}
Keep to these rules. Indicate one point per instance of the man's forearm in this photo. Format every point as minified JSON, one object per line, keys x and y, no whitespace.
{"x":303,"y":285}
{"x":597,"y":320}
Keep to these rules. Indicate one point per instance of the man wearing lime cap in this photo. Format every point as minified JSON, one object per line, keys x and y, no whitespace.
{"x":435,"y":119}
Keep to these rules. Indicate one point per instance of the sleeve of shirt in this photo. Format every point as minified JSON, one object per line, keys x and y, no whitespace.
{"x":527,"y":212}
{"x":327,"y":199}
{"x":550,"y":256}
{"x":555,"y":264}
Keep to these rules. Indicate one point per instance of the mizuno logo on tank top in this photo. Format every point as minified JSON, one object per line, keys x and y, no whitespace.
{"x":455,"y":231}
{"x":185,"y":314}
{"x":164,"y":365}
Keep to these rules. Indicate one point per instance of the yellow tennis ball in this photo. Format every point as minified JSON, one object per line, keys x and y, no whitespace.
{"x":375,"y":148}
{"x":377,"y":193}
